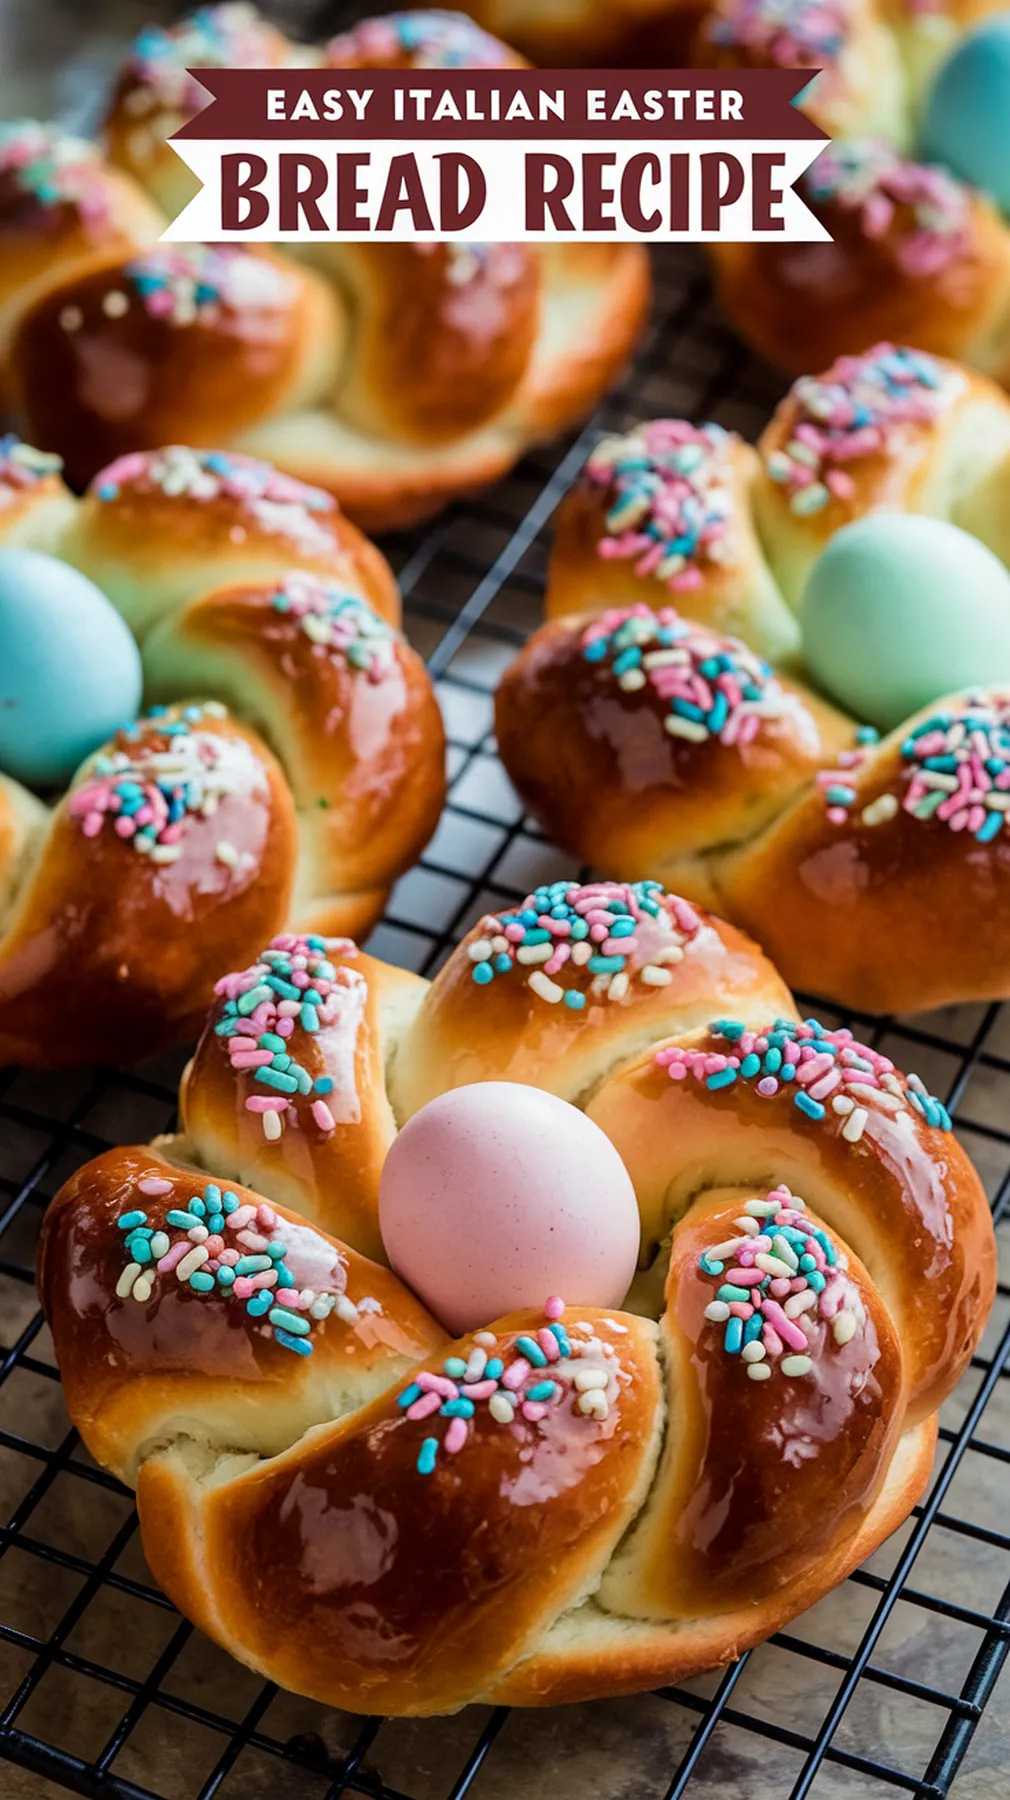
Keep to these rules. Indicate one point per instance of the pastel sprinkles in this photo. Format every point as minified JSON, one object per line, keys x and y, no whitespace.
{"x":23,"y":467}
{"x":614,"y":932}
{"x":161,"y":773}
{"x":713,"y":686}
{"x":231,"y":36}
{"x":526,"y":1381}
{"x":51,"y":168}
{"x":339,"y":622}
{"x":670,"y":506}
{"x":827,"y":1074}
{"x":790,"y":33}
{"x":292,"y":988}
{"x":956,"y":772}
{"x":929,"y":210}
{"x":444,"y":40}
{"x":275,"y":502}
{"x":223,"y":1249}
{"x":782,"y":1283}
{"x":854,"y":411}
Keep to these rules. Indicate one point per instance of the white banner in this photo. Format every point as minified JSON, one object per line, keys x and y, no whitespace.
{"x":737,"y":191}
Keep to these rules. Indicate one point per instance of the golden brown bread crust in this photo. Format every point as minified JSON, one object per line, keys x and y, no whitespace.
{"x":508,"y":1031}
{"x":507,"y":1535}
{"x":898,"y":1190}
{"x":891,"y":270}
{"x":36,"y":506}
{"x":329,"y":1171}
{"x":110,"y":954}
{"x":61,"y":208}
{"x":228,"y":517}
{"x":408,"y":1539}
{"x":630,"y":33}
{"x":185,"y":344}
{"x":862,"y":906}
{"x":663,"y":517}
{"x":345,"y":702}
{"x":440,"y":364}
{"x":137,"y":1371}
{"x":595,"y":762}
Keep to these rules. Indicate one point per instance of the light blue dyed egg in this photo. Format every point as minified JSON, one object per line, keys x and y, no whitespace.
{"x":900,"y":610}
{"x":69,"y":670}
{"x":967,"y":117}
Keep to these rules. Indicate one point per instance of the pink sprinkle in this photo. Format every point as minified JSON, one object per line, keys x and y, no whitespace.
{"x":744,"y":1277}
{"x":771,"y":1340}
{"x":154,"y":1185}
{"x":437,"y":1384}
{"x":323,"y":1116}
{"x":423,"y":1408}
{"x":516,"y":1373}
{"x":555,"y":1307}
{"x":174,"y":1256}
{"x":533,"y":1410}
{"x":780,"y":1287}
{"x":787,"y":1331}
{"x":214,"y":1244}
{"x":549,"y":1345}
{"x":243,"y":1215}
{"x":455,"y":1436}
{"x":266,"y":1216}
{"x":243,"y":1288}
{"x":284,"y":1027}
{"x":478,"y":1390}
{"x":741,"y":1309}
{"x":767,"y":1086}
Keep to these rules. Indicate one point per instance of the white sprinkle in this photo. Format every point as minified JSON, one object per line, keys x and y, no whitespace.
{"x":547,"y":989}
{"x":476,"y":1364}
{"x":668,"y":953}
{"x":754,"y":1352}
{"x":717,"y":1311}
{"x":763,"y":1209}
{"x":191,"y":1261}
{"x":772,"y":1265}
{"x":750,"y":1226}
{"x":226,"y":853}
{"x":71,"y":318}
{"x":684,"y":728}
{"x":631,"y":680}
{"x":722,"y":1252}
{"x":165,"y":853}
{"x":500,"y":945}
{"x":593,"y":1401}
{"x":758,"y":1371}
{"x":143,"y":1285}
{"x":785,"y":1252}
{"x":160,"y":1245}
{"x":796,"y":1365}
{"x":115,"y":304}
{"x":345,"y":1309}
{"x":480,"y":951}
{"x":844,"y":1326}
{"x":271,"y":1124}
{"x":587,"y":1379}
{"x":124,"y":1286}
{"x":666,"y":659}
{"x":487,"y":1339}
{"x":534,"y":953}
{"x":501,"y":1409}
{"x":855,"y":1125}
{"x":655,"y":977}
{"x":799,"y":1303}
{"x":618,"y":986}
{"x":841,"y":1104}
{"x":215,"y":710}
{"x":880,"y":810}
{"x":198,"y":1234}
{"x":581,"y":952}
{"x":322,"y":1306}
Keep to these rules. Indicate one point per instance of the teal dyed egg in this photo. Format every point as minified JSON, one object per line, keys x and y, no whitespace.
{"x":900,"y":610}
{"x":967,"y":118}
{"x":69,"y":668}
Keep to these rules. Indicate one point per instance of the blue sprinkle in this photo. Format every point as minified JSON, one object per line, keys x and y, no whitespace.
{"x":812,"y":1108}
{"x":481,"y":973}
{"x":409,"y":1395}
{"x":301,"y":1345}
{"x":426,"y":1456}
{"x":721,"y":1078}
{"x":131,"y":1219}
{"x":457,"y":1409}
{"x":574,"y":999}
{"x":529,"y":1348}
{"x":733,"y":1339}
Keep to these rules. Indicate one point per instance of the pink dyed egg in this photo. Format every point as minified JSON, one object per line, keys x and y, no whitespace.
{"x":495,"y":1196}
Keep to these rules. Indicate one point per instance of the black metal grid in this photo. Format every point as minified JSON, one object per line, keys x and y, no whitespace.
{"x":107,"y":1693}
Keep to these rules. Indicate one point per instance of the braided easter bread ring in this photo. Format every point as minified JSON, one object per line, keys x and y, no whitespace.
{"x":560,"y":1505}
{"x":916,"y":255}
{"x":673,"y":750}
{"x":393,"y":375}
{"x":193,"y":836}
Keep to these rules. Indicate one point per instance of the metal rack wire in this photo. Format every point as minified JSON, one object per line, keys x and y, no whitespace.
{"x":106,"y":1692}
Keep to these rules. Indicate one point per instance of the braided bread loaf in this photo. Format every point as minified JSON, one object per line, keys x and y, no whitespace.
{"x":666,"y":749}
{"x":559,"y":1506}
{"x":191,"y":836}
{"x":916,"y":255}
{"x":393,"y":375}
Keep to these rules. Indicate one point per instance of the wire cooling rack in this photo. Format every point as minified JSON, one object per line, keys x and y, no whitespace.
{"x":105,"y":1691}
